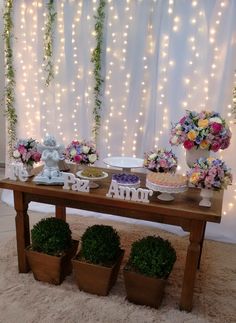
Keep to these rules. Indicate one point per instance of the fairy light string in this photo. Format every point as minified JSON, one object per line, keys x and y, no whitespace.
{"x":10,"y":76}
{"x":234,"y":99}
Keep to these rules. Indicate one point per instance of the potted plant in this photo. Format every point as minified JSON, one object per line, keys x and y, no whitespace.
{"x":209,"y":174}
{"x":52,"y":248}
{"x":26,"y":151}
{"x":150,"y":263}
{"x":200,"y":133}
{"x":161,"y":160}
{"x":97,"y":264}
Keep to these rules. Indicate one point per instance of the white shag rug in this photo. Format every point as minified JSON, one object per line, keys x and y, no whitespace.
{"x":24,"y":300}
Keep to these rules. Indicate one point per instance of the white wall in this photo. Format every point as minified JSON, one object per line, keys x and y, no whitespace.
{"x":2,"y":118}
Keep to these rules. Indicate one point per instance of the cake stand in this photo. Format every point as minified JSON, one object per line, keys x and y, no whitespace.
{"x":126,"y":163}
{"x":166,"y":191}
{"x":92,"y":184}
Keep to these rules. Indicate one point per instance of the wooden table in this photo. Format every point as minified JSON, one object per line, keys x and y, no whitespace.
{"x":184,"y":211}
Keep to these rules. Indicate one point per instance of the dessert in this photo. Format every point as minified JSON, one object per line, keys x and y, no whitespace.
{"x":167,"y":179}
{"x":126,"y":179}
{"x":92,"y":172}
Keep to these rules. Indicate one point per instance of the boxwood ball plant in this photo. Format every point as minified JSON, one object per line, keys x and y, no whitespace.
{"x":51,"y":236}
{"x":100,"y":244}
{"x":152,"y":256}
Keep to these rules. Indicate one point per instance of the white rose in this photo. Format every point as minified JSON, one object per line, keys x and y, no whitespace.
{"x":73,"y":152}
{"x":85,"y":149}
{"x":92,"y":158}
{"x":178,"y":126}
{"x":215,"y":119}
{"x":16,"y":154}
{"x":174,"y":140}
{"x":152,"y":156}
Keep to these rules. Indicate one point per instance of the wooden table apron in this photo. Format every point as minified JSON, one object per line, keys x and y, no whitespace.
{"x":183,"y":211}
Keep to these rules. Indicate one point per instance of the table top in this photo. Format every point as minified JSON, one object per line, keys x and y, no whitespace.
{"x":184,"y":206}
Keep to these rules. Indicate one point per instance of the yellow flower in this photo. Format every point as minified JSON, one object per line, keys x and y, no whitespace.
{"x":203,"y":123}
{"x":192,"y":135}
{"x":194,"y":178}
{"x":204,"y":144}
{"x":210,"y":160}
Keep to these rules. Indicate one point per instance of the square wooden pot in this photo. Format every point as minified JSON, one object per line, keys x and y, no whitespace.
{"x":96,"y":279}
{"x":144,"y":290}
{"x":51,"y":269}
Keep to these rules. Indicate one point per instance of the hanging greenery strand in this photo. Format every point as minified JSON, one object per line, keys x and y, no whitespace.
{"x":10,"y":76}
{"x":96,"y":59}
{"x":48,"y":41}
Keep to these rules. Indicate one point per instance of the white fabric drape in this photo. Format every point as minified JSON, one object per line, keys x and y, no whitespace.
{"x":161,"y":57}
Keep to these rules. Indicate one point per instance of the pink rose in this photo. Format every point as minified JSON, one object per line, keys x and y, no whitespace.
{"x":188,"y":144}
{"x":22,"y":149}
{"x":216,"y":128}
{"x":182,"y":120}
{"x":163,"y":163}
{"x":36,"y":157}
{"x":77,"y":159}
{"x":215,"y":146}
{"x":225,"y":143}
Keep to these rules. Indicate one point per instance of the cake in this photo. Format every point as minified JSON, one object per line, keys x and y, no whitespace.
{"x":167,"y":179}
{"x":92,"y":172}
{"x":126,"y":179}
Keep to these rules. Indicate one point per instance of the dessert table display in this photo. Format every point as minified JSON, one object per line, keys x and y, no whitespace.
{"x":184,"y":212}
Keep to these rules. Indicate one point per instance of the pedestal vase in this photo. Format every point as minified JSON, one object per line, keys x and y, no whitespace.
{"x":192,"y":155}
{"x":206,"y":195}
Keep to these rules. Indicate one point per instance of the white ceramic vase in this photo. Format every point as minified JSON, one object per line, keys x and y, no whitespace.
{"x":28,"y":170}
{"x":193,"y":154}
{"x":206,"y":195}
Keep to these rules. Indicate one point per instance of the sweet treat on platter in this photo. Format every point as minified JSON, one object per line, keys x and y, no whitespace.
{"x":167,"y":179}
{"x":92,"y":172}
{"x":125,"y":179}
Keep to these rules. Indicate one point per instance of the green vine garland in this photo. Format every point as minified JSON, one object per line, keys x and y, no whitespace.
{"x":96,"y":59}
{"x":48,"y":41}
{"x":10,"y":76}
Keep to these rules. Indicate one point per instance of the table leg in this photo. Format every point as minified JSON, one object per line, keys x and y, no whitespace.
{"x":201,"y":246}
{"x":186,"y":301}
{"x":22,"y":230}
{"x":61,"y":212}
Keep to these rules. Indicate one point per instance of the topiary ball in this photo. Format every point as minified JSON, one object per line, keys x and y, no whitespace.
{"x":152,"y":256}
{"x":51,"y":236}
{"x":100,"y":244}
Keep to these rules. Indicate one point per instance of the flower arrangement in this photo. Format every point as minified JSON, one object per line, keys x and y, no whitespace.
{"x":161,"y":160}
{"x":210,"y":173}
{"x":26,"y":151}
{"x":205,"y":130}
{"x":81,"y":152}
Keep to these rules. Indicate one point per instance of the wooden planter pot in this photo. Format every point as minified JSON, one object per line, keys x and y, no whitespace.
{"x":96,"y":279}
{"x":144,"y":290}
{"x":51,"y":269}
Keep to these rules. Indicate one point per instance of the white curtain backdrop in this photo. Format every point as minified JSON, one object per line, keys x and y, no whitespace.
{"x":160,"y":58}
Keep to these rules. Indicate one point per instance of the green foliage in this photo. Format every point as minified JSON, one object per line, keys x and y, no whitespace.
{"x":10,"y":76}
{"x":48,"y":41}
{"x":96,"y":59}
{"x":100,"y":245}
{"x":152,"y":256}
{"x":51,"y":236}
